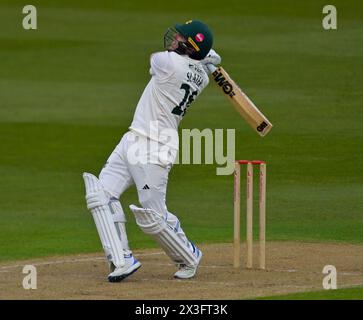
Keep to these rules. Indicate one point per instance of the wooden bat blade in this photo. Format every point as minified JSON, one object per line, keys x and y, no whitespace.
{"x":244,"y":106}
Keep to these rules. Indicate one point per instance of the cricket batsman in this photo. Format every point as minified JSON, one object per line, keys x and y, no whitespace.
{"x":147,"y":152}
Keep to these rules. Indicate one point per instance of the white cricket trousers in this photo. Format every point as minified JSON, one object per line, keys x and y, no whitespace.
{"x":122,"y":170}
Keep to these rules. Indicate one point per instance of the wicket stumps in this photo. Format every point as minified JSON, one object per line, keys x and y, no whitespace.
{"x":249,"y":213}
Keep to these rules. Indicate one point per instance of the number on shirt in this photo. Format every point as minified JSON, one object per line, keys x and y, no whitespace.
{"x":181,"y":109}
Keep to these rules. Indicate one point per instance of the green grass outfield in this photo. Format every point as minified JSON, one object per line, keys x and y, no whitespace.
{"x":68,"y":91}
{"x":339,"y":294}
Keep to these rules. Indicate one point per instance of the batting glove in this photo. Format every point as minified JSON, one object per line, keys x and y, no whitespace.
{"x":212,"y":57}
{"x":210,"y":61}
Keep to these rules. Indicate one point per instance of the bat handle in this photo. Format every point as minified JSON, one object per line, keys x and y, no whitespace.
{"x":211,"y":67}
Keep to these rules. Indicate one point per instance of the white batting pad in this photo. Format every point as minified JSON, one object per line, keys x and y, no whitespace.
{"x":154,"y":224}
{"x":97,"y":203}
{"x":119,"y":219}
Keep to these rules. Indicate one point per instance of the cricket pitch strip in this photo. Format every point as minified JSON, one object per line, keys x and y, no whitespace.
{"x":290,"y":267}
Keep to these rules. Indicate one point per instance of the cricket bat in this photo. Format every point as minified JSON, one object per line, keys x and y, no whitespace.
{"x":240,"y":101}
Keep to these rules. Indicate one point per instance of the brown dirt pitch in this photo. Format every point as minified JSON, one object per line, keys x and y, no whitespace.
{"x":291,"y":267}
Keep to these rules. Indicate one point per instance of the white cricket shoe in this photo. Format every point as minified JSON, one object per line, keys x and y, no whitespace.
{"x":187,"y":271}
{"x":131,"y":265}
